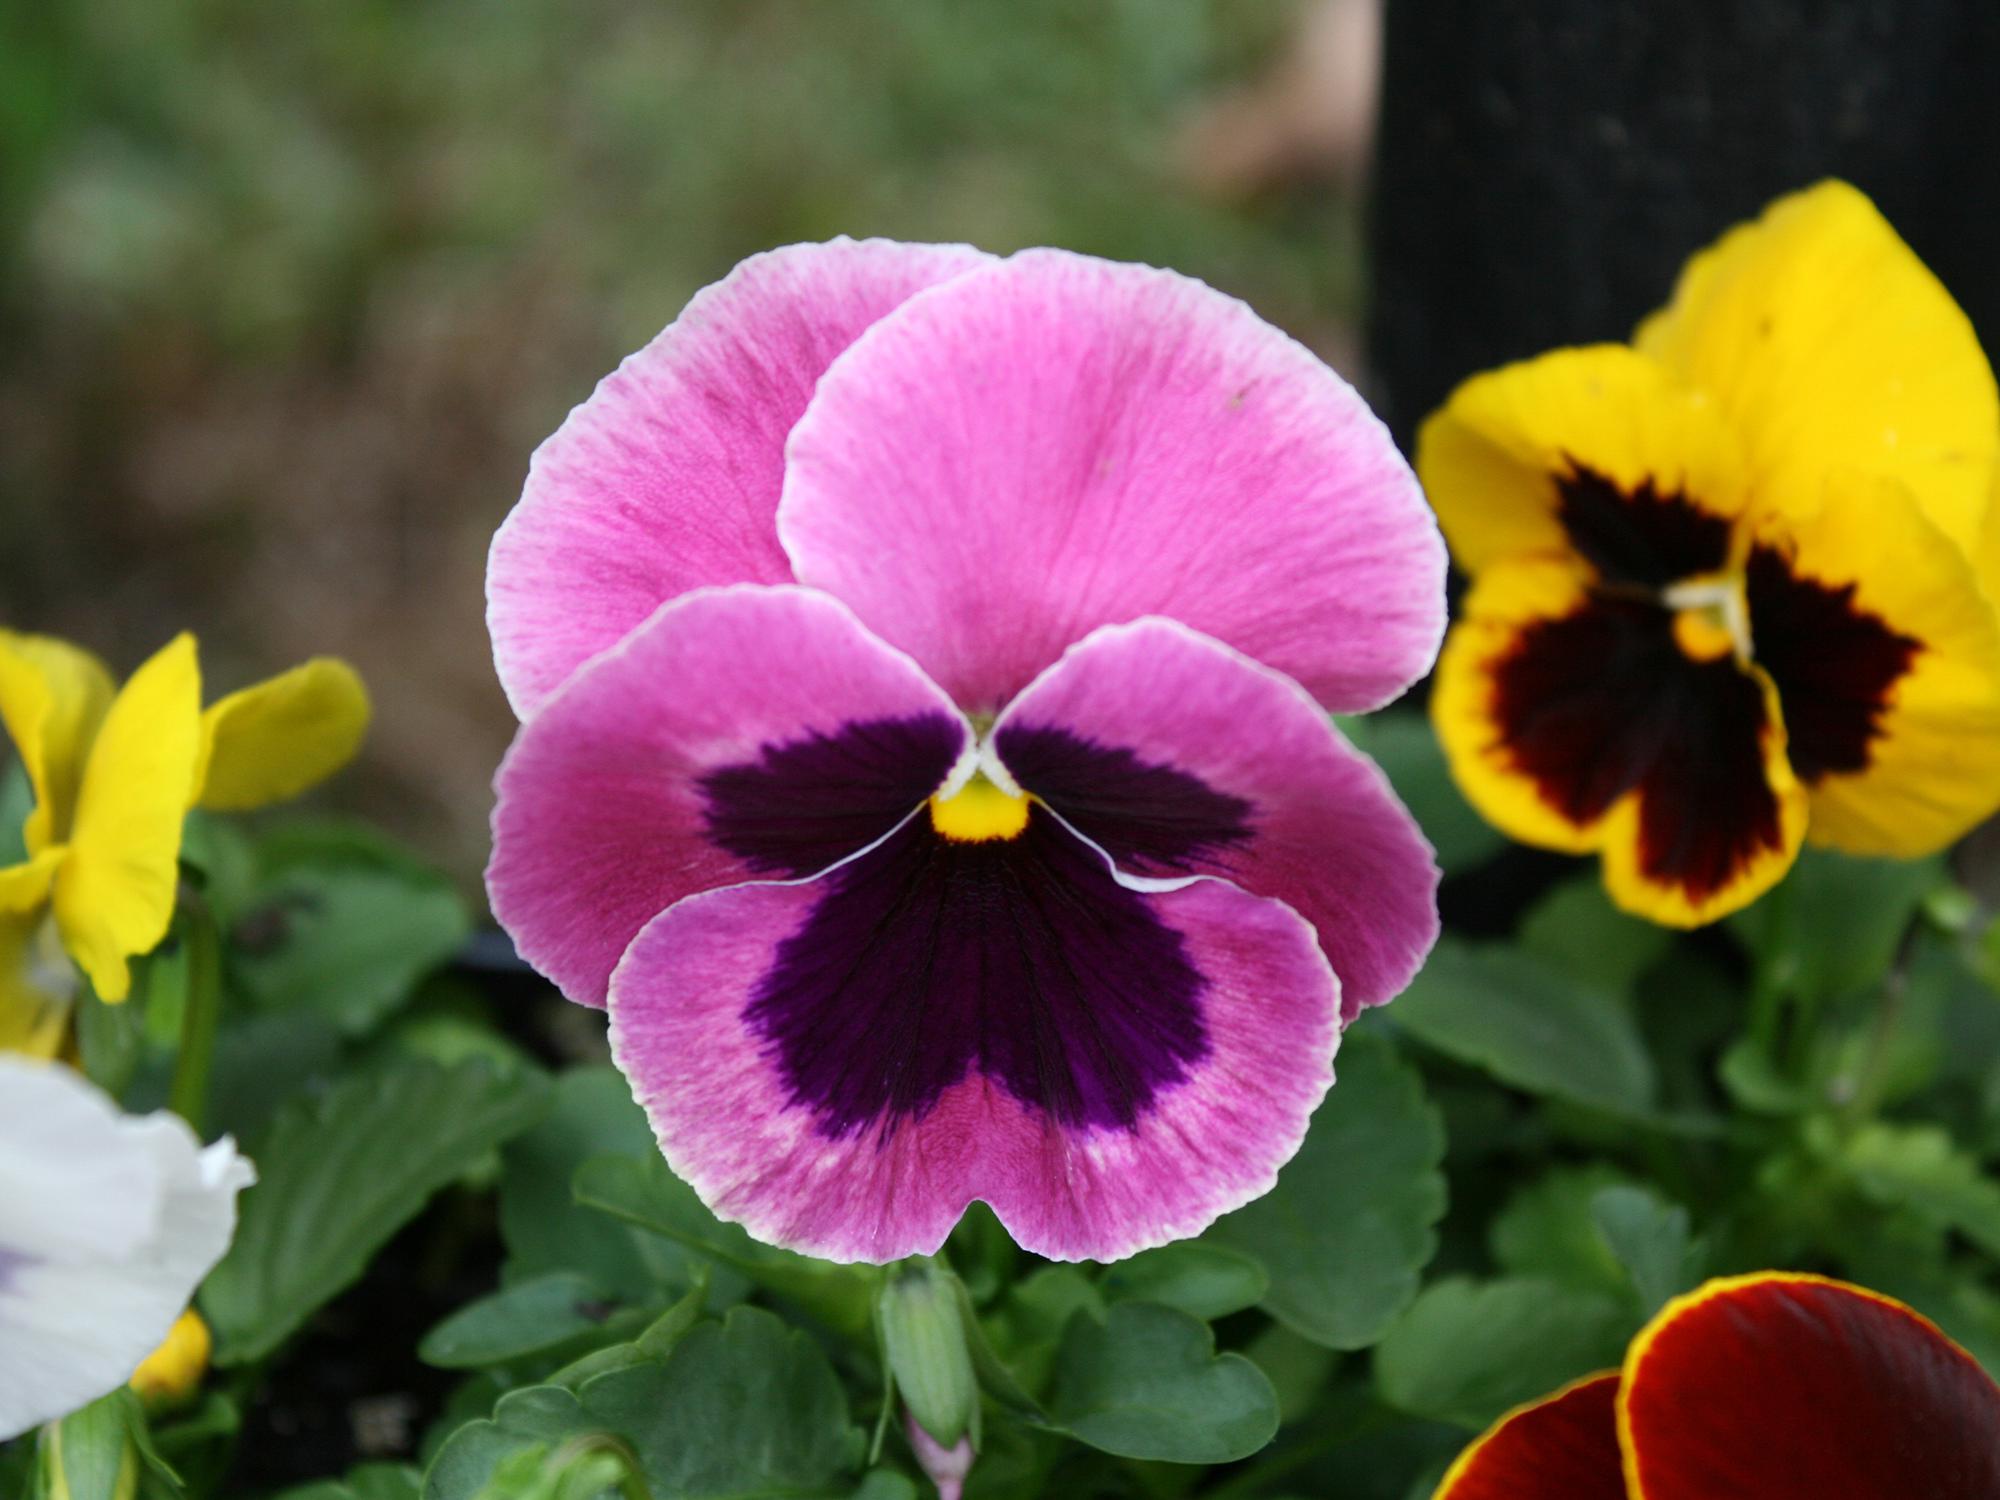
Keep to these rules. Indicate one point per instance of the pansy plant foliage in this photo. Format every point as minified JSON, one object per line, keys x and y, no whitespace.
{"x":1732,"y":584}
{"x":924,"y":662}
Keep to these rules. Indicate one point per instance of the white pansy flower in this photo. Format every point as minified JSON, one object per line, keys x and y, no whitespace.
{"x":108,"y":1222}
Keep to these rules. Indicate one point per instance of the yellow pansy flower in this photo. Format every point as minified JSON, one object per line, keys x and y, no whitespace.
{"x":113,"y":775}
{"x":1732,"y":584}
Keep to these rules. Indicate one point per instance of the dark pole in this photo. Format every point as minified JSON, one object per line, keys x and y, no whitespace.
{"x":1545,"y":165}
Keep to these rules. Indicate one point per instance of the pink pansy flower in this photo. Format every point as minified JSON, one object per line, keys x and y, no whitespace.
{"x":923,"y":659}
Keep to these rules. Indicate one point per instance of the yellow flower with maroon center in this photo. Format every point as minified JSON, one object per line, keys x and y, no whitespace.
{"x":113,"y":774}
{"x":1732,"y":584}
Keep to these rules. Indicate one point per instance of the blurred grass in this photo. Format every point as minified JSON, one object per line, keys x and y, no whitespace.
{"x":291,"y":291}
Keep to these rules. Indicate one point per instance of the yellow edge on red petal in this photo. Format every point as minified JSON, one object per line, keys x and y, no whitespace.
{"x":1669,"y":904}
{"x":1462,"y":1467}
{"x":114,"y":893}
{"x":280,"y":737}
{"x":1830,"y":346}
{"x":1490,"y":457}
{"x":1709,"y":1291}
{"x":53,"y":696}
{"x":1503,"y":602}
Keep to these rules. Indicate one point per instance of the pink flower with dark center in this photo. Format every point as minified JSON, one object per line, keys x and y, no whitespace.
{"x":924,"y":660}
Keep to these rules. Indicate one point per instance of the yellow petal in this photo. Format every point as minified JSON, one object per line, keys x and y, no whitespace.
{"x":1505,"y":602}
{"x":52,"y":698}
{"x":1495,"y":457}
{"x":114,"y":893}
{"x":1758,"y":865}
{"x":1831,"y":346}
{"x":274,"y":740}
{"x":37,"y":986}
{"x":24,"y":887}
{"x":173,"y":1372}
{"x":1881,"y":574}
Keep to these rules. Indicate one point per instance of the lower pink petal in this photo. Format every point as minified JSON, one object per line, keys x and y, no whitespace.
{"x":1056,"y":442}
{"x":1108,"y":1069}
{"x":740,"y":732}
{"x":667,"y":478}
{"x":1179,"y":756}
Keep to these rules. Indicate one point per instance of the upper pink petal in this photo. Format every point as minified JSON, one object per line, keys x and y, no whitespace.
{"x":741,"y":731}
{"x":667,"y":478}
{"x":1177,"y":755}
{"x":1054,"y":443}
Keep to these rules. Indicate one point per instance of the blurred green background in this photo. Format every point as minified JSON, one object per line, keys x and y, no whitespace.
{"x":292,"y":290}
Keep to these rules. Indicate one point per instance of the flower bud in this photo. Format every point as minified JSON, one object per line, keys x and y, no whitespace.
{"x":923,"y":1335}
{"x":90,"y":1455}
{"x":947,"y":1467}
{"x":172,"y":1372}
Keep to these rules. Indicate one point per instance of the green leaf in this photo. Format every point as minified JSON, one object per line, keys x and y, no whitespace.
{"x":1298,"y":1369}
{"x":368,"y":1482}
{"x":1346,"y":1233}
{"x":1833,"y":927}
{"x":1206,"y":1281}
{"x":1146,"y":1382}
{"x":110,"y":1039}
{"x":1920,"y":1167}
{"x":1467,"y":1351}
{"x":645,"y":1192}
{"x":885,"y":1484}
{"x":545,"y":1230}
{"x":343,"y":923}
{"x":338,"y":1175}
{"x":1547,"y":1229}
{"x":1592,"y":1229}
{"x":1510,"y":1013}
{"x":17,"y":800}
{"x":1405,"y":747}
{"x":652,"y":1346}
{"x":1580,"y":934}
{"x":534,"y":1415}
{"x":743,"y":1408}
{"x":530,"y":1317}
{"x":1649,"y":1236}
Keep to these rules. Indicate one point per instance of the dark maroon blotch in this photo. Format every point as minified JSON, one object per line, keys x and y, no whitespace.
{"x":1641,"y":537}
{"x":803,"y":805}
{"x":1601,"y":701}
{"x":1834,"y":664}
{"x":1151,"y":819}
{"x":1022,"y":958}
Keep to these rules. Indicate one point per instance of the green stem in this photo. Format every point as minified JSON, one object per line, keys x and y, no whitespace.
{"x":201,"y":1015}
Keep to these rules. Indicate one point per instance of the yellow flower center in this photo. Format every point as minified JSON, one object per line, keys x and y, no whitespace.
{"x":1711,"y":618}
{"x":980,"y":811}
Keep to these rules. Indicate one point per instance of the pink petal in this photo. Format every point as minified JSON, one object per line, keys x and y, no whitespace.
{"x":667,"y":478}
{"x":741,"y":731}
{"x":1139,"y":729}
{"x":864,"y":1131}
{"x":1055,"y":443}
